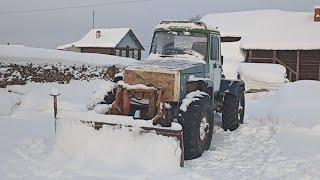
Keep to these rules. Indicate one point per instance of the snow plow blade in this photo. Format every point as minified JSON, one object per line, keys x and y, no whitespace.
{"x":156,"y":134}
{"x":176,"y":134}
{"x":126,"y":140}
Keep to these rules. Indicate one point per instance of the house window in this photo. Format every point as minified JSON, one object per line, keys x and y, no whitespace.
{"x":136,"y":54}
{"x":130,"y":54}
{"x":117,"y":52}
{"x":123,"y":53}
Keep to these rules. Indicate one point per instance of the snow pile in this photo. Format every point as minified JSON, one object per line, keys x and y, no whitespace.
{"x":98,"y":97}
{"x":136,"y":86}
{"x":191,"y":97}
{"x":295,"y":103}
{"x":55,"y":92}
{"x":8,"y":102}
{"x":256,"y":29}
{"x":198,"y":58}
{"x":230,"y":68}
{"x":262,"y":76}
{"x":231,"y":50}
{"x":170,"y":25}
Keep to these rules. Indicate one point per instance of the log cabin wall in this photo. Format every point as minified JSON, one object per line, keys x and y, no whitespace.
{"x":108,"y":51}
{"x":300,"y":64}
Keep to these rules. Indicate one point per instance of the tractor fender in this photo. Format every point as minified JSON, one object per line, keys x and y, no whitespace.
{"x":231,"y":86}
{"x":202,"y":85}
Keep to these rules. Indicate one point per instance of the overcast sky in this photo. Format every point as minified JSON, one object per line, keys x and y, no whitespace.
{"x":53,"y":28}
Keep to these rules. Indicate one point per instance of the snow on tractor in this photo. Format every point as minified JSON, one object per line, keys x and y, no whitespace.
{"x":175,"y":91}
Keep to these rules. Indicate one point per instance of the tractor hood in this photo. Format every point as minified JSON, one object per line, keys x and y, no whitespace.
{"x":171,"y":75}
{"x":164,"y":64}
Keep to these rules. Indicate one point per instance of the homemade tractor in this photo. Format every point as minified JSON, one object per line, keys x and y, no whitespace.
{"x":180,"y":83}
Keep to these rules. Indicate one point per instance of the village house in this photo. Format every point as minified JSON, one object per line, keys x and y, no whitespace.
{"x":291,"y":39}
{"x":111,"y":41}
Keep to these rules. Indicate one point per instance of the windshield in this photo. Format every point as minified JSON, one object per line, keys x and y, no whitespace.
{"x":180,"y":43}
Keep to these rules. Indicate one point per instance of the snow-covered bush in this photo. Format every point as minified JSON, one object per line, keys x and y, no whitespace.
{"x":100,"y":101}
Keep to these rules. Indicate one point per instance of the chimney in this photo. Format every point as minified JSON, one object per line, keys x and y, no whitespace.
{"x":98,"y":34}
{"x":317,"y":14}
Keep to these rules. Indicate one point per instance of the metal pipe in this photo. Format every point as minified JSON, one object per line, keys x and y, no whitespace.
{"x":55,"y":107}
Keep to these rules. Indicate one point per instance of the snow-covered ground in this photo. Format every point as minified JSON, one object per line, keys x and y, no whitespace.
{"x":278,"y":140}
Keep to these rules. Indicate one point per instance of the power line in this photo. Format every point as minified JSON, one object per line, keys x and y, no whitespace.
{"x":73,"y":7}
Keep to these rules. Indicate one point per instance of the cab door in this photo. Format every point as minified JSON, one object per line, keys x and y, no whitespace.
{"x":215,"y":62}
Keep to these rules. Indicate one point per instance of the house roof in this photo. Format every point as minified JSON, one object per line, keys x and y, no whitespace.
{"x":269,"y":29}
{"x":109,"y":38}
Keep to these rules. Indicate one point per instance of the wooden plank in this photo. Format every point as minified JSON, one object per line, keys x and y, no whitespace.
{"x":274,"y":57}
{"x":260,"y":58}
{"x":290,"y":69}
{"x":152,"y":79}
{"x":250,"y":56}
{"x":298,"y":65}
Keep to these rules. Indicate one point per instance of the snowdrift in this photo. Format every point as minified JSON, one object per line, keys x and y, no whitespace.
{"x":262,"y":76}
{"x":8,"y":102}
{"x":256,"y":76}
{"x":295,"y":102}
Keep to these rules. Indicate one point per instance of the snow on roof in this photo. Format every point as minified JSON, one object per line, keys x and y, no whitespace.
{"x":184,"y":24}
{"x":269,"y":29}
{"x":108,"y":38}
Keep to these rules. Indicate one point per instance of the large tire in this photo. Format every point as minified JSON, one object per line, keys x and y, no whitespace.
{"x":199,"y":116}
{"x":233,"y":110}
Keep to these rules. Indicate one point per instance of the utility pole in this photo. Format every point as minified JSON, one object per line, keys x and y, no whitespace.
{"x":93,"y":13}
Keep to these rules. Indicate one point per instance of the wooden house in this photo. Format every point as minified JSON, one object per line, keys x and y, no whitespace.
{"x":291,"y":39}
{"x":112,"y":41}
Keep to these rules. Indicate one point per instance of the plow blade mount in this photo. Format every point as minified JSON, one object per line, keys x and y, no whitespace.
{"x":122,"y":137}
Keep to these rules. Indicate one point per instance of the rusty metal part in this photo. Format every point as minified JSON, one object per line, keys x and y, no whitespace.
{"x":125,"y":102}
{"x":122,"y":106}
{"x":115,"y":109}
{"x":152,"y":104}
{"x":156,"y":107}
{"x":164,"y":132}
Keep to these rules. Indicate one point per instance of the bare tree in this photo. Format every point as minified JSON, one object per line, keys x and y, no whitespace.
{"x":195,"y":18}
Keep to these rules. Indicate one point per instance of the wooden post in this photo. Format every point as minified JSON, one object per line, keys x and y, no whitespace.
{"x":290,"y":76}
{"x":250,"y":56}
{"x":93,"y":16}
{"x":298,"y":65}
{"x":274,"y":57}
{"x":319,"y":73}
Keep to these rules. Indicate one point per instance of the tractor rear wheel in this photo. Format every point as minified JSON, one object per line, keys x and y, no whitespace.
{"x":233,"y":110}
{"x":197,"y":124}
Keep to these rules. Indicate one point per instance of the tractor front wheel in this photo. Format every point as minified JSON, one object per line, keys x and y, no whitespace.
{"x":197,"y":124}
